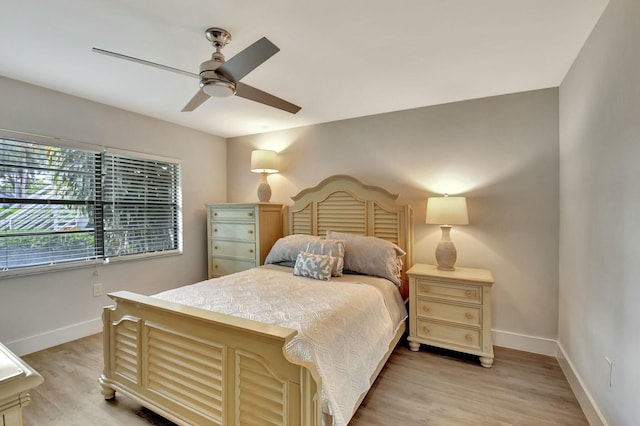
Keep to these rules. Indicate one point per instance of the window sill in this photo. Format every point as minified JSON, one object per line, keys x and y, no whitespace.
{"x":46,"y":269}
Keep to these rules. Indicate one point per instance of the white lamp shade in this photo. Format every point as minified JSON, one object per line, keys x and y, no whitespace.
{"x":447,"y":211}
{"x":264,"y":161}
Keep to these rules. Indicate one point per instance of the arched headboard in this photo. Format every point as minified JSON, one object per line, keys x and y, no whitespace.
{"x":343,"y":203}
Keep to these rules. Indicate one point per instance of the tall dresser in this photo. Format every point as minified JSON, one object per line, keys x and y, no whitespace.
{"x":241,"y":235}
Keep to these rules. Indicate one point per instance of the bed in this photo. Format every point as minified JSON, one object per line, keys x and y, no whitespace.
{"x":193,"y":365}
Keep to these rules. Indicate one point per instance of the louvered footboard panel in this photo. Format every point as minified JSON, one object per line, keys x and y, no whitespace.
{"x":186,"y":370}
{"x":126,"y":349}
{"x":261,"y":394}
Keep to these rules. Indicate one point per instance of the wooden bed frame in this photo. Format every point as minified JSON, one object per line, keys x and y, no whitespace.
{"x":195,"y":366}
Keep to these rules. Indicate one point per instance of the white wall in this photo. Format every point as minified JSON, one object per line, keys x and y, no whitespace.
{"x":43,"y":310}
{"x":600,"y":205}
{"x":501,"y":152}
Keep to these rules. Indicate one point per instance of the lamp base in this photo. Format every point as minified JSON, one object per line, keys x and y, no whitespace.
{"x":446,"y":253}
{"x":264,"y":190}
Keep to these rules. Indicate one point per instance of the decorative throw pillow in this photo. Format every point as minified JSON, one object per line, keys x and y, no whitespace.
{"x":329,"y":247}
{"x":371,"y":256}
{"x":316,"y":266}
{"x":286,"y":249}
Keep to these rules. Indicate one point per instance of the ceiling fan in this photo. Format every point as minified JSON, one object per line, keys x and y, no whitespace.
{"x":221,"y":78}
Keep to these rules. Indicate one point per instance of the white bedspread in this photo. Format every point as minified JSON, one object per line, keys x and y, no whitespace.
{"x":344,"y":325}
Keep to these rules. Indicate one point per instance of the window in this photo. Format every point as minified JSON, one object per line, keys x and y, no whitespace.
{"x":61,"y":204}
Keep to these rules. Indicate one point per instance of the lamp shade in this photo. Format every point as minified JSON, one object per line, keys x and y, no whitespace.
{"x":264,"y":161}
{"x":447,"y":211}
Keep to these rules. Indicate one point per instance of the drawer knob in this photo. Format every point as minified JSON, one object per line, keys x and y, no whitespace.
{"x":216,"y":266}
{"x":426,"y":329}
{"x":469,"y":293}
{"x":468,"y":337}
{"x":215,"y":230}
{"x":425,"y":308}
{"x":215,"y":213}
{"x":250,"y":250}
{"x":250,"y":231}
{"x":215,"y":247}
{"x":469,"y":315}
{"x":250,"y":214}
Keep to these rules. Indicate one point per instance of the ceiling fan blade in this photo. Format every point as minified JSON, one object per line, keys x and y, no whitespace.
{"x":248,"y":60}
{"x":257,"y":95}
{"x":196,"y":101}
{"x":142,"y":61}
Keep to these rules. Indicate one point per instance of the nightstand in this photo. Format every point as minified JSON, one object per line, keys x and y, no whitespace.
{"x":451,"y":310}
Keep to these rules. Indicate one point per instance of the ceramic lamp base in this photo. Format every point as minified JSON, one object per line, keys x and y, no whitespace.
{"x":264,"y":190}
{"x":446,"y":253}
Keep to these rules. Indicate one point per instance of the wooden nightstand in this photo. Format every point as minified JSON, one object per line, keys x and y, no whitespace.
{"x":451,"y":310}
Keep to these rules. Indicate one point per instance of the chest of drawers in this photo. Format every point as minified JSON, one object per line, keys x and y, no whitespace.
{"x":451,"y":310}
{"x":241,"y":235}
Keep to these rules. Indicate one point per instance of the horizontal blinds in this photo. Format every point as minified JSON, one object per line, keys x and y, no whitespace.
{"x":141,"y":206}
{"x":62,"y":204}
{"x":47,"y":204}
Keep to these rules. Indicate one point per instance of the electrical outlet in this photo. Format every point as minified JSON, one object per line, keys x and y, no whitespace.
{"x":609,"y":369}
{"x":97,"y":290}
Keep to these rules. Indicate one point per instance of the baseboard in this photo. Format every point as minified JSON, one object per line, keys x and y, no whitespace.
{"x":55,"y":337}
{"x":522,"y":342}
{"x":588,"y":405}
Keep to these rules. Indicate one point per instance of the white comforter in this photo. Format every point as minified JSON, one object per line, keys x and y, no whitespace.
{"x":345,"y":325}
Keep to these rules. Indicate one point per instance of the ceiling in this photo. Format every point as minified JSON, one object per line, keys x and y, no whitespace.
{"x":338,"y":59}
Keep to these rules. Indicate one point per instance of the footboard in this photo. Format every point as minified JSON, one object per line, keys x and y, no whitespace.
{"x":198,"y":367}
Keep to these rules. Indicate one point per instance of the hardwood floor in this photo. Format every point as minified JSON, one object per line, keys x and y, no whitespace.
{"x":430,"y":387}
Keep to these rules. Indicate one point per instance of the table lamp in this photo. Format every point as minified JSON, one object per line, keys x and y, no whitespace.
{"x":264,"y":162}
{"x":446,"y":211}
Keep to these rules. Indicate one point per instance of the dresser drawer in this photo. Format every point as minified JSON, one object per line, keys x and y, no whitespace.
{"x":449,"y":291}
{"x":467,"y":315}
{"x":228,"y":266}
{"x":240,"y":249}
{"x":235,"y":231}
{"x":449,"y":334}
{"x":217,"y":213}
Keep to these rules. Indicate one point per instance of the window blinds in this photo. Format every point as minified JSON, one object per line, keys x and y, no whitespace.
{"x":60,"y":204}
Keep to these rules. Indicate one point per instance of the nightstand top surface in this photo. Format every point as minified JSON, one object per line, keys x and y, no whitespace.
{"x":460,"y":274}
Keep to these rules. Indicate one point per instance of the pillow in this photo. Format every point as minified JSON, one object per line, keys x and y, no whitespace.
{"x":371,"y":256}
{"x":286,"y":249}
{"x":316,"y":266}
{"x":328,"y":247}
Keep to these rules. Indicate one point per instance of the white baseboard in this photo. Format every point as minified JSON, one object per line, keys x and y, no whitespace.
{"x":522,"y":342}
{"x":588,"y":405}
{"x":55,"y":337}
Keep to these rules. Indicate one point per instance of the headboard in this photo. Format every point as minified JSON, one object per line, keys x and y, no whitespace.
{"x":343,"y":203}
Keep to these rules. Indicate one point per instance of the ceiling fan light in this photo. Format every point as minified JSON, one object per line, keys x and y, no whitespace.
{"x":219,"y":88}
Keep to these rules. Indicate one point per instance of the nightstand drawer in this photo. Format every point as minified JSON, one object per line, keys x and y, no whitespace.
{"x":449,"y":291}
{"x":231,"y":214}
{"x":466,"y":315}
{"x":240,"y":249}
{"x":448,"y":334}
{"x":236,"y":231}
{"x":228,"y":266}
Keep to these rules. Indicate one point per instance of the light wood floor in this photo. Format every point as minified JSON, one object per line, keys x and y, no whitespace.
{"x":429,"y":387}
